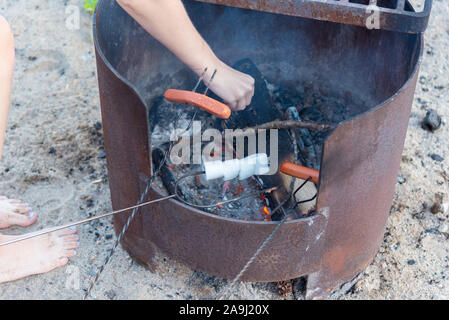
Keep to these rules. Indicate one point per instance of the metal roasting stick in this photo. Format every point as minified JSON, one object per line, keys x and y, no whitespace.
{"x":50,"y":230}
{"x":147,"y":189}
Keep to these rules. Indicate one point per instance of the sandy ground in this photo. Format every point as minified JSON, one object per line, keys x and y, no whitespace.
{"x":53,"y":159}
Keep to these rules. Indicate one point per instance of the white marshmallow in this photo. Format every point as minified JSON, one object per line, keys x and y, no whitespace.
{"x":262,"y":159}
{"x":255,"y":164}
{"x":261,"y":164}
{"x":262,"y":170}
{"x":214,"y":169}
{"x":247,"y":167}
{"x":231,"y":169}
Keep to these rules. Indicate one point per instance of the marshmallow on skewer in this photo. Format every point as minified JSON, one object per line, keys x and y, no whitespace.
{"x":213,"y":169}
{"x":256,"y":164}
{"x":231,"y":169}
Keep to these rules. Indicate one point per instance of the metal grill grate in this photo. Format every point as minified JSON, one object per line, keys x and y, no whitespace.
{"x":394,"y":15}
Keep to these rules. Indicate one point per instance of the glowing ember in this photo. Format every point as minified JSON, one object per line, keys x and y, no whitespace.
{"x":240,"y":189}
{"x":266,"y":210}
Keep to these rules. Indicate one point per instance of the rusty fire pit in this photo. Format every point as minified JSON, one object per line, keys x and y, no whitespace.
{"x":359,"y":162}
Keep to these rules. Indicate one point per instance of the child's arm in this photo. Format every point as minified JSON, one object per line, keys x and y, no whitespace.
{"x":6,"y":75}
{"x":168,"y":22}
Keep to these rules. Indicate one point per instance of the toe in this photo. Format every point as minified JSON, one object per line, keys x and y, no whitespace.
{"x":24,"y":209}
{"x":69,"y":253}
{"x":72,"y":245}
{"x":22,"y":219}
{"x":32,"y":216}
{"x":71,"y":238}
{"x":15,"y":212}
{"x":63,"y":261}
{"x":67,"y":231}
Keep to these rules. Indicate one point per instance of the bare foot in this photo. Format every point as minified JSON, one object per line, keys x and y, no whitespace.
{"x":15,"y":212}
{"x":38,"y":255}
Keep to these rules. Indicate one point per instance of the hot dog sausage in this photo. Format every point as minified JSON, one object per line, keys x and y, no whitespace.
{"x":198,"y":100}
{"x":300,"y":172}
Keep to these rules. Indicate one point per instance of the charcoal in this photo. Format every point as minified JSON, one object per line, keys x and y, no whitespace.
{"x":436,"y":157}
{"x":432,"y":121}
{"x":308,"y":154}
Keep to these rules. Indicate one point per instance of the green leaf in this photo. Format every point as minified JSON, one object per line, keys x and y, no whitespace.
{"x":90,"y":5}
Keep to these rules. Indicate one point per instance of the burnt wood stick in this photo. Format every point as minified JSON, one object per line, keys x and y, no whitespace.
{"x":308,"y":150}
{"x":291,"y":124}
{"x":167,"y":176}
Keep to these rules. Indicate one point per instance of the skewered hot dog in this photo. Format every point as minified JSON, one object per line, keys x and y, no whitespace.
{"x":198,"y":100}
{"x":300,"y":172}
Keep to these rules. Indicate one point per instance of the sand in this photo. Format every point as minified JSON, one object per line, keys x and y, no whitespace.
{"x":53,"y":158}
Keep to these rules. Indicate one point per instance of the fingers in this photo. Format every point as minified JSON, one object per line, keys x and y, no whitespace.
{"x":249,"y":97}
{"x":243,"y":100}
{"x":232,"y":105}
{"x":247,"y":94}
{"x":234,"y":87}
{"x":241,"y":105}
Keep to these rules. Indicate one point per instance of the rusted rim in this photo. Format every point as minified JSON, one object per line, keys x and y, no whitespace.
{"x":376,"y":107}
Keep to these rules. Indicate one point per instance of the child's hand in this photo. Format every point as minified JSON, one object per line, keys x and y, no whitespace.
{"x":234,"y":87}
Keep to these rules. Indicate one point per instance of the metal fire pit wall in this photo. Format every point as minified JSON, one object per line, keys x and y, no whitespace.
{"x":360,"y":158}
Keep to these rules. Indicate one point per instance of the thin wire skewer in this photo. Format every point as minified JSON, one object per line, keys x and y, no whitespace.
{"x":50,"y":230}
{"x":177,"y":195}
{"x":205,"y":92}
